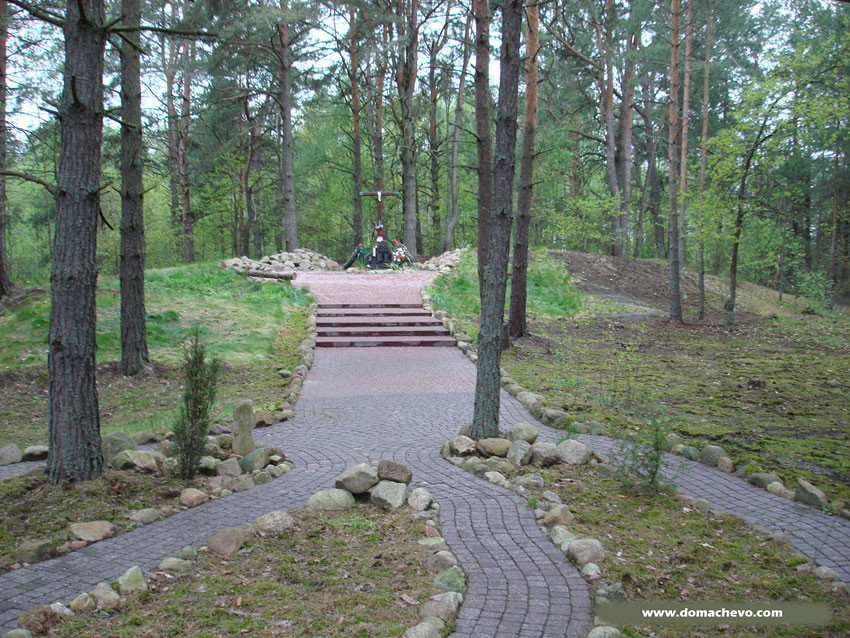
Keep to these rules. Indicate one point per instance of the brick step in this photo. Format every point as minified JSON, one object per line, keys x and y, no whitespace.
{"x":335,"y":306}
{"x":383,"y":342}
{"x":383,"y":331}
{"x":401,"y":320}
{"x":373,"y":312}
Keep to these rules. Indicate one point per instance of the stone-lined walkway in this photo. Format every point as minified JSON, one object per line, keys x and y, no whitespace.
{"x":365,"y":404}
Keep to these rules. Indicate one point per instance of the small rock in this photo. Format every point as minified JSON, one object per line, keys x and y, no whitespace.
{"x":241,"y":483}
{"x":357,"y":479}
{"x":106,"y":597}
{"x":677,"y":448}
{"x":558,"y":515}
{"x":497,"y":478}
{"x":274,"y":522}
{"x":711,"y":454}
{"x":35,"y":453}
{"x":422,"y":630}
{"x":523,"y":432}
{"x":440,"y":561}
{"x":436,"y":543}
{"x":725,"y":464}
{"x":34,"y":551}
{"x":778,"y":489}
{"x":673,"y":439}
{"x":520,"y":452}
{"x":132,"y":580}
{"x":586,"y":550}
{"x":462,"y":446}
{"x":545,"y":454}
{"x":494,"y":447}
{"x":19,"y":633}
{"x":419,"y":499}
{"x":573,"y":452}
{"x":395,"y":472}
{"x":207,"y":465}
{"x":135,"y":460}
{"x":83,"y":603}
{"x":331,"y":500}
{"x":225,"y":441}
{"x":530,"y":481}
{"x":188,"y":553}
{"x":443,"y":606}
{"x":228,"y":541}
{"x":255,"y":460}
{"x":825,"y":573}
{"x":451,"y":579}
{"x":762,"y":479}
{"x":173,"y":565}
{"x":550,"y":497}
{"x":604,"y":631}
{"x":113,"y":443}
{"x":389,"y":495}
{"x":262,"y":478}
{"x":561,"y":536}
{"x":92,"y":532}
{"x":275,"y":471}
{"x":690,"y":453}
{"x":810,"y":495}
{"x":591,"y":571}
{"x":191,"y":497}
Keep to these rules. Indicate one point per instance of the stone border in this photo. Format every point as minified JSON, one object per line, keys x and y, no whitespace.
{"x":710,"y":454}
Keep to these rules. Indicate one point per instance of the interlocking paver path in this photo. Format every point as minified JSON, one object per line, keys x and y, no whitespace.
{"x":365,"y":404}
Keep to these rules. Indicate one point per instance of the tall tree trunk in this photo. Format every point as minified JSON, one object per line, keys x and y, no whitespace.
{"x":624,"y":143}
{"x":169,"y":56}
{"x":74,"y":425}
{"x":406,"y":71}
{"x":247,"y":191}
{"x":683,"y":158}
{"x":5,"y":282}
{"x":353,"y":78}
{"x":673,"y":145}
{"x":451,"y":223}
{"x":485,"y":422}
{"x":519,"y":278}
{"x":703,"y":157}
{"x":134,"y":345}
{"x":183,"y":154}
{"x":377,"y":102}
{"x":607,"y":91}
{"x":284,"y":80}
{"x":484,"y":138}
{"x":833,"y":244}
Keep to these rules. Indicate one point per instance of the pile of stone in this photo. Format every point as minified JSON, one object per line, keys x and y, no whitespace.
{"x":519,"y":446}
{"x":299,"y":259}
{"x":12,"y":454}
{"x":443,"y":263}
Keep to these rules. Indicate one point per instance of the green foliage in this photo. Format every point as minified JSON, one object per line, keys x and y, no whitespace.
{"x":816,"y":289}
{"x":193,"y":424}
{"x":642,"y":461}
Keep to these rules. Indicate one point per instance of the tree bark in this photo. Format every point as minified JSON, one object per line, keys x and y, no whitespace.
{"x":703,"y":159}
{"x":833,"y":244}
{"x":284,"y":79}
{"x":169,"y":56}
{"x":74,"y":423}
{"x":5,"y":282}
{"x":134,"y":345}
{"x":484,"y":139}
{"x":683,"y":158}
{"x":673,"y":145}
{"x":187,"y":217}
{"x":406,"y":70}
{"x":485,"y":422}
{"x":353,"y":74}
{"x":519,"y":277}
{"x":451,"y":223}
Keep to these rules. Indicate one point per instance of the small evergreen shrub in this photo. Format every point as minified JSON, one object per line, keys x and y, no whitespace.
{"x":642,"y":461}
{"x":192,"y":426}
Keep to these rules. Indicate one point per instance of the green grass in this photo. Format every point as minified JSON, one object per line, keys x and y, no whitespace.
{"x":253,"y":328}
{"x":549,"y":291}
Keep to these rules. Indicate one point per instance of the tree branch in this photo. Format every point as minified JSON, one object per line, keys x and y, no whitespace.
{"x":51,"y":188}
{"x":46,"y":16}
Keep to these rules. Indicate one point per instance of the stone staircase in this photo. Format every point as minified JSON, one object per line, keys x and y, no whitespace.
{"x":374,"y":325}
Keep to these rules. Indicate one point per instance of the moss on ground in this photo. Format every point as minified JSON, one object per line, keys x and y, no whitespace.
{"x":661,"y":549}
{"x":334,"y":575}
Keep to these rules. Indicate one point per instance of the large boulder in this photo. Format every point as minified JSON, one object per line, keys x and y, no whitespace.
{"x":586,"y":550}
{"x":255,"y":460}
{"x":34,"y":551}
{"x":494,"y":447}
{"x":230,"y":468}
{"x":422,"y":630}
{"x":106,"y":597}
{"x":132,"y":580}
{"x":545,"y":454}
{"x":763,"y":479}
{"x":523,"y":432}
{"x":191,"y":497}
{"x":389,"y":495}
{"x":396,"y":472}
{"x":573,"y":452}
{"x":113,"y":443}
{"x":35,"y":453}
{"x":243,"y":428}
{"x":357,"y":479}
{"x":228,"y":541}
{"x":10,"y":454}
{"x":451,"y":579}
{"x":135,"y":460}
{"x":558,"y":515}
{"x":810,"y":495}
{"x":444,"y":606}
{"x":520,"y":452}
{"x":419,"y":499}
{"x":242,"y":483}
{"x":331,"y":500}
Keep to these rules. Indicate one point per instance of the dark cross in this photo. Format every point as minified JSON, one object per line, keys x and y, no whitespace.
{"x":379,"y":195}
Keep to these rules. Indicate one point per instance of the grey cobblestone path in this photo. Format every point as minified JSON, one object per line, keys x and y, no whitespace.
{"x":365,"y":404}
